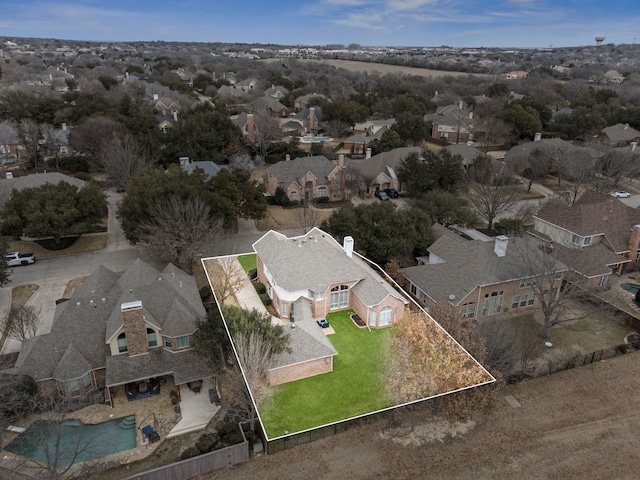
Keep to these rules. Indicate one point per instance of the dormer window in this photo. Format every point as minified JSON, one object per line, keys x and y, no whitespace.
{"x":152,"y":339}
{"x":122,"y":343}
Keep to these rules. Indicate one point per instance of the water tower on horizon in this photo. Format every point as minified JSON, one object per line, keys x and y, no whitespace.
{"x":599,"y":40}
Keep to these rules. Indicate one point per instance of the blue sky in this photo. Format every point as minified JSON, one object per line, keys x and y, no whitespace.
{"x":458,"y":23}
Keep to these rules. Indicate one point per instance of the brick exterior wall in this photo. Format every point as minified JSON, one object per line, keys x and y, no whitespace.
{"x":135,"y":331}
{"x":300,"y":370}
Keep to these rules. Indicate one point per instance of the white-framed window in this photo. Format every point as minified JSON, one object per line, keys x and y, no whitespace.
{"x":152,"y":339}
{"x":414,"y":290}
{"x":122,"y":343}
{"x":322,"y":192}
{"x":312,"y":295}
{"x":386,"y":316}
{"x":294,"y":195}
{"x":319,"y":295}
{"x":587,"y":241}
{"x":182,"y":342}
{"x":469,"y":310}
{"x":284,"y":309}
{"x":526,"y":282}
{"x":525,"y":300}
{"x":339,"y":297}
{"x":168,"y":342}
{"x":492,"y":303}
{"x":576,"y":240}
{"x":86,"y":382}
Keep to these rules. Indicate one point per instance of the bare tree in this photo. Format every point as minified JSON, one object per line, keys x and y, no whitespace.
{"x":491,"y":130}
{"x":267,"y":132}
{"x":122,"y":158}
{"x":177,"y":228}
{"x":491,"y":197}
{"x":21,"y":323}
{"x":580,"y":171}
{"x":353,"y":181}
{"x":308,"y":216}
{"x":226,"y":275}
{"x":30,"y":134}
{"x":94,"y":134}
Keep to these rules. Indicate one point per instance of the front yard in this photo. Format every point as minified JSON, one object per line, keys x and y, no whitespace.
{"x":353,"y":388}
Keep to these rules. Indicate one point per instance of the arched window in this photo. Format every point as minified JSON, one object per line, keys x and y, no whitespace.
{"x":322,"y":192}
{"x":151,"y":337}
{"x":122,"y":343}
{"x":339,"y":297}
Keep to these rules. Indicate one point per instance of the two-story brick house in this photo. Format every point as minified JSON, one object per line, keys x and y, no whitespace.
{"x":482,"y":277}
{"x":601,"y":226}
{"x":306,"y":178}
{"x":117,"y":334}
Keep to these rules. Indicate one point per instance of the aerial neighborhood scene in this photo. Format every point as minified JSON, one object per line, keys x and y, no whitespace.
{"x":340,"y":239}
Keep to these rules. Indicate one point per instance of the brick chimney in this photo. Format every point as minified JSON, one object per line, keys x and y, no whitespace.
{"x":135,"y":328}
{"x":341,"y":160}
{"x":251,"y":132}
{"x":634,"y":243}
{"x":313,"y":123}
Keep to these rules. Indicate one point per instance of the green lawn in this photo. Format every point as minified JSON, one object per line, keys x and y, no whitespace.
{"x":355,"y":387}
{"x":248,"y":261}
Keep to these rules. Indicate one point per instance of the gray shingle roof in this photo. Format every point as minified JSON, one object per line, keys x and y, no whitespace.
{"x":84,"y":324}
{"x":621,"y":133}
{"x":307,"y":342}
{"x":289,"y":172}
{"x":468,"y":264}
{"x":315,"y":261}
{"x":383,"y":162}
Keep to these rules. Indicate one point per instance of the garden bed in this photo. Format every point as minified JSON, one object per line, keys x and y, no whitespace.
{"x":358,"y":321}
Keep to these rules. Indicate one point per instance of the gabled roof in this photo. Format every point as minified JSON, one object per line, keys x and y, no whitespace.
{"x":291,"y":171}
{"x":621,"y":133}
{"x":467,"y":152}
{"x":595,"y":214}
{"x":83,"y":325}
{"x":209,"y":168}
{"x":469,"y":264}
{"x":269,"y":103}
{"x":307,"y":342}
{"x":382,"y":162}
{"x":314,"y":261}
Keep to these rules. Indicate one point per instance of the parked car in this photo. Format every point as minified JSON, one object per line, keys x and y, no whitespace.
{"x":16,"y":258}
{"x":391,"y":192}
{"x":620,"y":194}
{"x":381,"y":195}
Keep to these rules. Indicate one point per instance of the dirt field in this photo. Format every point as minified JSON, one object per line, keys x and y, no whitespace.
{"x":581,"y":423}
{"x":381,"y":68}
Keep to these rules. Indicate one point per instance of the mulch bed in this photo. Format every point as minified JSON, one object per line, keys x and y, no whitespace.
{"x":357,"y":320}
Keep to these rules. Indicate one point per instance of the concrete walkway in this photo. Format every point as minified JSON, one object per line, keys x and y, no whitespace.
{"x":115,"y":236}
{"x":249,"y":299}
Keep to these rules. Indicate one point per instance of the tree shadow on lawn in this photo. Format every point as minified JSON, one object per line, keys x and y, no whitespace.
{"x":355,"y":387}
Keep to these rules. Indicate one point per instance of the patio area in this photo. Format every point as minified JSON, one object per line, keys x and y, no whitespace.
{"x":157,"y":410}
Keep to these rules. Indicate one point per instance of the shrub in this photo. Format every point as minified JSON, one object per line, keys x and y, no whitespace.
{"x":205,"y":292}
{"x":75,"y":164}
{"x":266,"y":300}
{"x":321,"y":200}
{"x":260,"y":288}
{"x":253,"y":274}
{"x":189,"y":452}
{"x":206,"y":442}
{"x":83,"y":176}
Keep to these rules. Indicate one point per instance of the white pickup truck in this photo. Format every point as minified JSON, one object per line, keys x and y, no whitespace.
{"x":16,"y":258}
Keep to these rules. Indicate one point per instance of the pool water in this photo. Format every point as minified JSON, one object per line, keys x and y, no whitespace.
{"x":632,"y":288}
{"x":73,"y":441}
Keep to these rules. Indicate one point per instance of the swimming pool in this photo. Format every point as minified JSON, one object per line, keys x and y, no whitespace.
{"x":73,"y":441}
{"x":311,"y":139}
{"x":632,"y":288}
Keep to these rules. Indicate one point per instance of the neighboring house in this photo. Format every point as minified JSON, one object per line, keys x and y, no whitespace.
{"x":62,"y":139}
{"x":304,"y":101}
{"x":357,"y":143}
{"x":276,"y":91}
{"x":310,"y":119}
{"x":371,"y":127}
{"x":210,"y":169}
{"x":35,"y":180}
{"x":305,"y":178}
{"x":166,"y":122}
{"x":515,"y":75}
{"x":467,"y":152}
{"x":248,"y":85}
{"x":609,"y":77}
{"x":452,"y":123}
{"x":119,"y":333}
{"x":595,"y":220}
{"x":483,"y":277}
{"x":269,"y":104}
{"x":245,"y":122}
{"x":165,"y":106}
{"x":620,"y":134}
{"x":380,"y":171}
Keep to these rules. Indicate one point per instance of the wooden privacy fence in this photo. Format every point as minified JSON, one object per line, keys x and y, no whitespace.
{"x":192,"y":467}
